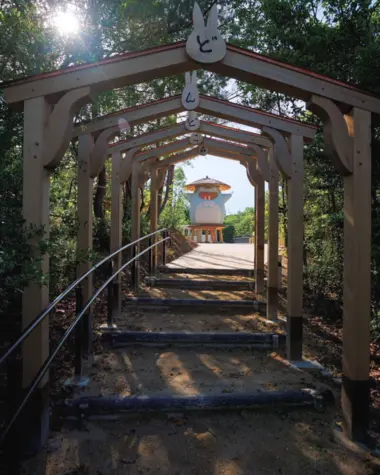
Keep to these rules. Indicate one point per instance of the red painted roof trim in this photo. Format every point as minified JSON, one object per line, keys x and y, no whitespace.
{"x":259,"y":111}
{"x":128,"y":109}
{"x":307,"y":72}
{"x":181,"y":44}
{"x":157,"y":149}
{"x":147,"y":134}
{"x":227,"y":141}
{"x":79,"y":67}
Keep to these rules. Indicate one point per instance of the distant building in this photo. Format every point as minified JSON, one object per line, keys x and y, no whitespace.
{"x":207,"y":208}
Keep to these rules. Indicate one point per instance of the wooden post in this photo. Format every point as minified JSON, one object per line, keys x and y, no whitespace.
{"x":260,"y":235}
{"x":154,"y":214}
{"x":84,"y":238}
{"x":357,"y":282}
{"x":199,"y":235}
{"x":295,"y":250}
{"x":116,"y":229}
{"x":136,"y":199}
{"x":35,"y":425}
{"x":272,"y":291}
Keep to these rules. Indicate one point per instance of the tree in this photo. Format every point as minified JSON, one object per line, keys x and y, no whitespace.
{"x":242,"y":223}
{"x":176,"y":212}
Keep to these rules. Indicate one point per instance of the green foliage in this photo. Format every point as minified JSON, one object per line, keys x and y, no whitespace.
{"x":337,"y":38}
{"x":176,"y":212}
{"x":240,"y":224}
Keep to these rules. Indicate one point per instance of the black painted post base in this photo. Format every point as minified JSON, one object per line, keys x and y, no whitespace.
{"x":272,"y":303}
{"x":33,"y":423}
{"x":87,"y":337}
{"x":355,"y":407}
{"x":294,"y":338}
{"x":116,"y":298}
{"x":259,"y":277}
{"x":369,"y":451}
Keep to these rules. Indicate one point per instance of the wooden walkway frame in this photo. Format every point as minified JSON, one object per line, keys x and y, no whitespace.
{"x":346,"y":113}
{"x":245,"y":156}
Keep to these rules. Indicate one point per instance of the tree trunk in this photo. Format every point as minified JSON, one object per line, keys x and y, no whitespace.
{"x":127,"y":199}
{"x":169,"y":183}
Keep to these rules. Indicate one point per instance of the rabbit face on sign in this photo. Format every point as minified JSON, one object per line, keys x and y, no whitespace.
{"x":190,"y":95}
{"x":205,"y":44}
{"x":196,"y":139}
{"x":203,"y":150}
{"x":192,"y":122}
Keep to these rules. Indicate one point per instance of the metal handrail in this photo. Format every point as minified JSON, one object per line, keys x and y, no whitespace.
{"x":44,"y":368}
{"x":28,"y":330}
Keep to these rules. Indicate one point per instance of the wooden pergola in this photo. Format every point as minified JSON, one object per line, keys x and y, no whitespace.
{"x":51,"y":100}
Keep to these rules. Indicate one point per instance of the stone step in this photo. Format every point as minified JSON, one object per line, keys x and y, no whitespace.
{"x":206,"y":271}
{"x":198,"y":304}
{"x":200,"y":284}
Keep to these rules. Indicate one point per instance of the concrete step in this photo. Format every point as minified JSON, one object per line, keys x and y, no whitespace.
{"x":200,"y":284}
{"x":198,"y":304}
{"x":206,"y":271}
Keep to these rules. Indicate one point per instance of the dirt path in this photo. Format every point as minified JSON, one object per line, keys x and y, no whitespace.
{"x":272,"y":442}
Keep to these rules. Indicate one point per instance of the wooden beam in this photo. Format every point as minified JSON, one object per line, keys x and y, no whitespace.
{"x":253,"y":117}
{"x":260,"y":234}
{"x":136,"y":202}
{"x":111,"y":73}
{"x":84,"y":237}
{"x":164,"y":150}
{"x":154,"y":213}
{"x":272,"y":290}
{"x":278,"y":76}
{"x":357,"y":282}
{"x":116,"y":229}
{"x":295,"y":250}
{"x":207,"y":128}
{"x":134,"y":115}
{"x":178,"y":158}
{"x":233,"y":134}
{"x":241,"y":150}
{"x":184,"y":144}
{"x":238,"y":63}
{"x":165,"y":133}
{"x":35,"y":297}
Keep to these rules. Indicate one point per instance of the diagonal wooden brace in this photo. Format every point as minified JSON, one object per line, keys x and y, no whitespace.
{"x":337,"y":132}
{"x":100,"y":152}
{"x":60,"y":125}
{"x":281,"y":151}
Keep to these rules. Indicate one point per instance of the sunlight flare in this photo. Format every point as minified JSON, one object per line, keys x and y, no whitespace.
{"x":66,"y":22}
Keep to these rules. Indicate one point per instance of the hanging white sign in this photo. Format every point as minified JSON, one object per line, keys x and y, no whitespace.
{"x":205,"y":43}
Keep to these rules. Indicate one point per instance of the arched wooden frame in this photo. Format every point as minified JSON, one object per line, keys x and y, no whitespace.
{"x":329,"y":98}
{"x":242,"y":154}
{"x":86,"y":155}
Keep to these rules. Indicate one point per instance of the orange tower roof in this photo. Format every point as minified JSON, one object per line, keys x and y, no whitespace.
{"x":207,"y":182}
